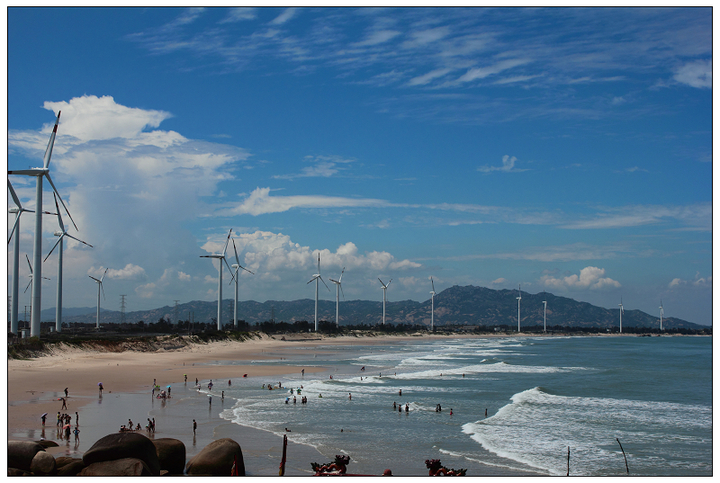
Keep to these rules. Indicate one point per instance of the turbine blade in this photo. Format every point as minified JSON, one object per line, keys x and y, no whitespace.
{"x":14,"y":195}
{"x":433,"y":284}
{"x":237,"y":259}
{"x":57,"y":208}
{"x":102,"y":289}
{"x":51,"y":143}
{"x":341,"y":290}
{"x":312,"y":279}
{"x":77,"y":239}
{"x":17,"y":220}
{"x":381,"y":282}
{"x":28,"y":286}
{"x":29,"y":265}
{"x":226,"y":263}
{"x":226,"y":242}
{"x":232,"y":276}
{"x":249,"y":271}
{"x":323,"y":281}
{"x":103,"y":275}
{"x":47,"y":175}
{"x":388,"y":284}
{"x":98,"y":281}
{"x":341,"y":274}
{"x":53,"y":248}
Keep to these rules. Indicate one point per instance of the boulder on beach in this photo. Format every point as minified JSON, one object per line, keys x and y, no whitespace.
{"x":43,"y":464}
{"x":71,"y":468}
{"x":217,"y":459}
{"x":21,"y":453}
{"x":117,"y":446}
{"x":18,"y":472}
{"x":119,"y":467}
{"x":171,"y":455}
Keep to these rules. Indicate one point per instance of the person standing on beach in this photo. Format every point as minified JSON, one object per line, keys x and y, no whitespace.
{"x":66,"y":392}
{"x":43,"y":418}
{"x":77,"y":433}
{"x":77,"y":419}
{"x":64,"y":403}
{"x":194,"y":426}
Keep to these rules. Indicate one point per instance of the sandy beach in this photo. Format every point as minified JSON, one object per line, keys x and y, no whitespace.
{"x":35,"y":386}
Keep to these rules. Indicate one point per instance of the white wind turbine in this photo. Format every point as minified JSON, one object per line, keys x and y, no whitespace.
{"x":662,"y":312}
{"x":622,"y":310}
{"x":62,"y":233}
{"x":384,"y":289}
{"x":39,"y":173}
{"x":100,"y":287}
{"x":32,"y":275}
{"x":221,"y":258}
{"x":432,"y":306}
{"x":544,"y":315}
{"x":338,"y":289}
{"x":519,"y":298}
{"x":18,"y":210}
{"x":315,"y":279}
{"x":235,"y":277}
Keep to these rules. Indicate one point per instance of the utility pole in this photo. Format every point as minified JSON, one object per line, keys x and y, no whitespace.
{"x":122,"y":309}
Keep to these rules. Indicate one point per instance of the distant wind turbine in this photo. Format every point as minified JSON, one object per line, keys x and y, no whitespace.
{"x":519,"y":298}
{"x":221,"y":258}
{"x":39,"y":174}
{"x":62,"y":233}
{"x":544,"y":315}
{"x":662,"y":312}
{"x":315,"y":279}
{"x":338,"y":289}
{"x":432,"y":306}
{"x":32,"y":275}
{"x":235,"y":276}
{"x":100,"y":287}
{"x":384,"y":289}
{"x":622,"y":310}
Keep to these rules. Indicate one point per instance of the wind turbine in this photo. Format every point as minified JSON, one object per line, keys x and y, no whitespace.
{"x":62,"y":233}
{"x":221,"y":258}
{"x":39,"y":173}
{"x":519,"y":298}
{"x":384,"y":289}
{"x":544,"y":315}
{"x":32,"y":276}
{"x":315,"y":278}
{"x":621,"y":312}
{"x":100,"y":287}
{"x":235,"y":277}
{"x":338,"y":288}
{"x":432,"y":306}
{"x":662,"y":312}
{"x":19,"y":210}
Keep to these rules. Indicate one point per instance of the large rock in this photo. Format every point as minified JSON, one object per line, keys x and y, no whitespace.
{"x":171,"y":455}
{"x":61,"y":461}
{"x":72,"y":468}
{"x":217,"y":459}
{"x":43,"y":464}
{"x":18,"y":472}
{"x":124,"y":445}
{"x":21,"y":454}
{"x":120,"y":467}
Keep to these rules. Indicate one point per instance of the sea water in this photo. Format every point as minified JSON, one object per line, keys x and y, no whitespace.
{"x":545,"y":397}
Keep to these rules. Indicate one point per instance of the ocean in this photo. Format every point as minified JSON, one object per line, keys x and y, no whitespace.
{"x":543,"y":396}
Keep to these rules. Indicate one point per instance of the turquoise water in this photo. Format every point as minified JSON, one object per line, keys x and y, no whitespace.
{"x":542,"y":395}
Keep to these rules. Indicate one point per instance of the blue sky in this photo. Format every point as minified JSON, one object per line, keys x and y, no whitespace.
{"x":566,"y":150}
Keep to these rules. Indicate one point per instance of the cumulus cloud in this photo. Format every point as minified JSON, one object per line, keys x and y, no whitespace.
{"x":695,"y":74}
{"x":590,"y":278}
{"x":499,"y":281}
{"x":129,"y":272}
{"x":699,"y":282}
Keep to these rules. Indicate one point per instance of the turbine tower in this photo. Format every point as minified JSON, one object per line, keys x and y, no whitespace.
{"x":384,"y":289}
{"x":235,"y":276}
{"x":100,"y":287}
{"x":544,"y":315}
{"x":662,"y":312}
{"x":621,"y":312}
{"x":221,"y":258}
{"x":432,"y":306}
{"x":39,"y":173}
{"x":338,"y":289}
{"x":519,"y":298}
{"x":315,"y":279}
{"x":62,"y":233}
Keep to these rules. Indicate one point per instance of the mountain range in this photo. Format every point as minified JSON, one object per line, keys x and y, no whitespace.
{"x":468,"y":305}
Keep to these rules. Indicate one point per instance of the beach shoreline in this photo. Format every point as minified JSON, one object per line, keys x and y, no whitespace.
{"x":34,"y":387}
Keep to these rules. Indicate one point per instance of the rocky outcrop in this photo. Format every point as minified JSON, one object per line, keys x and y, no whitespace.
{"x":69,"y":466}
{"x":43,"y":463}
{"x":171,"y":455}
{"x":118,"y":446}
{"x":21,"y":454}
{"x":217,"y":459}
{"x":119,"y":467}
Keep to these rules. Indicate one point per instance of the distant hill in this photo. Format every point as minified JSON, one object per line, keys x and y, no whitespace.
{"x":456,"y":305}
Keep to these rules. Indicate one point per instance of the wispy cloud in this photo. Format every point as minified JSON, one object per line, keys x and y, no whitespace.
{"x":690,"y":217}
{"x":322,"y":166}
{"x":284,"y":17}
{"x":508,"y":165}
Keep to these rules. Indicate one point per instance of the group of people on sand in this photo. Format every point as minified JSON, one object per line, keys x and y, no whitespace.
{"x":149,"y":427}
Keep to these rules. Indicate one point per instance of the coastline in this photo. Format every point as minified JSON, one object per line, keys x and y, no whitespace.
{"x":34,"y":387}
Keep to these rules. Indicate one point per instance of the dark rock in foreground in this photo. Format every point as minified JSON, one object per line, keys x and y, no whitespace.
{"x":21,"y":453}
{"x":43,"y":464}
{"x":171,"y":455}
{"x":119,"y":467}
{"x":217,"y":459}
{"x":117,"y":446}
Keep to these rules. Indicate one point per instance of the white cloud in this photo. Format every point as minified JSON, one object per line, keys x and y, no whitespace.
{"x":377,"y":37}
{"x":323,"y":166}
{"x":508,"y":164}
{"x":129,"y":272}
{"x":590,"y":278}
{"x":499,"y":281}
{"x":239,"y":14}
{"x":284,"y":17}
{"x":260,"y":202}
{"x":699,"y":282}
{"x":695,"y":74}
{"x":426,"y":78}
{"x":483,"y":72}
